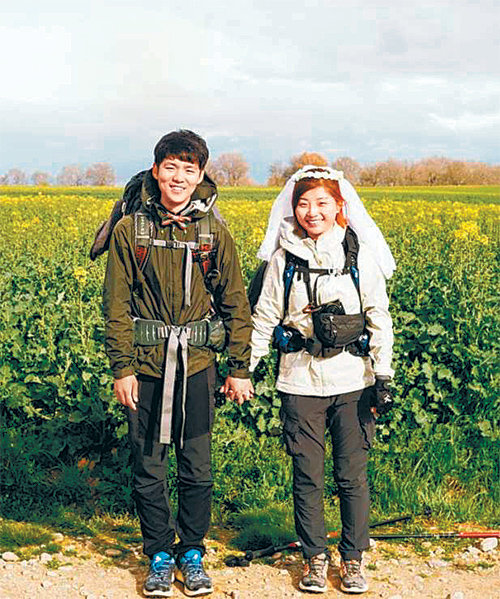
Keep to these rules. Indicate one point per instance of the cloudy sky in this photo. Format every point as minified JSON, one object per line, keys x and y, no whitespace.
{"x":102,"y":80}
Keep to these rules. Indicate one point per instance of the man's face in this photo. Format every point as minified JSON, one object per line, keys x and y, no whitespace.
{"x":177,"y":181}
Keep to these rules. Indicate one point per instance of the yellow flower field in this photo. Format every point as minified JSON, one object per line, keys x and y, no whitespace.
{"x":56,"y":389}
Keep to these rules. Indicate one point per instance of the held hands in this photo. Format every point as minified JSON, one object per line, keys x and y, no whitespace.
{"x":127,"y":391}
{"x":238,"y":390}
{"x":382,"y":400}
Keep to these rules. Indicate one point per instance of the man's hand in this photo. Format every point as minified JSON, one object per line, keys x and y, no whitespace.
{"x":238,"y":390}
{"x":127,"y":391}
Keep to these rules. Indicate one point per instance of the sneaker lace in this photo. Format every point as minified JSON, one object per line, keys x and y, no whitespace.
{"x":196,"y":571}
{"x":161,"y":567}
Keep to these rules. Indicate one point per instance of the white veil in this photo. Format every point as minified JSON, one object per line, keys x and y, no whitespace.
{"x":357,"y":217}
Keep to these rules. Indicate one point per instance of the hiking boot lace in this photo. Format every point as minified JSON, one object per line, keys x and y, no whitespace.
{"x":315,"y":565}
{"x":353,"y":568}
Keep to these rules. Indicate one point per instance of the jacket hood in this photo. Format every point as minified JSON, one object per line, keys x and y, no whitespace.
{"x":202,"y":200}
{"x":305,"y":247}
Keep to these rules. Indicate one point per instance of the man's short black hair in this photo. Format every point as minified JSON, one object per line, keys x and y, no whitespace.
{"x":184,"y":145}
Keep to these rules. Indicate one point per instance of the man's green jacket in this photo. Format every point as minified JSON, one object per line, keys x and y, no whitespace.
{"x":157,"y":293}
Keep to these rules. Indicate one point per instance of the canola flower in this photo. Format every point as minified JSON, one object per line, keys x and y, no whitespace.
{"x":470,"y":232}
{"x":52,"y":220}
{"x":81,"y":274}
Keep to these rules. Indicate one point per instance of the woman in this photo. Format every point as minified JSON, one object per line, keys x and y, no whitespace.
{"x":324,"y":302}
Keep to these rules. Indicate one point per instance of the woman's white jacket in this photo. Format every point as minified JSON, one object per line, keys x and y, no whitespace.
{"x":299,"y":372}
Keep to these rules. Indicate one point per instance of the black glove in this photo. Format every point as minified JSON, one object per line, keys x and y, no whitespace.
{"x":382,"y":399}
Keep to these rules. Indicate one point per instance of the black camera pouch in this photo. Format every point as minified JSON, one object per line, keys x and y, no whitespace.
{"x":336,"y":329}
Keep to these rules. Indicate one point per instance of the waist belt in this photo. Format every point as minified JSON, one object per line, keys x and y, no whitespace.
{"x":177,"y":339}
{"x":156,"y":332}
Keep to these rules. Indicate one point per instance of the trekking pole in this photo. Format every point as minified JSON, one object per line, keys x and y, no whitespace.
{"x":333,"y":534}
{"x":242,"y":561}
{"x":486,"y":534}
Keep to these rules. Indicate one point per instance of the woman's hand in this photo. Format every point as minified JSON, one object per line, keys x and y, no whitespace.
{"x":382,"y":400}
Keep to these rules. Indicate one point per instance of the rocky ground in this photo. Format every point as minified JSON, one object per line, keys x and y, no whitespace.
{"x":450,"y":570}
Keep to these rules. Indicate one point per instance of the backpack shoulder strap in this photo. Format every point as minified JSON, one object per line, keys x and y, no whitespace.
{"x":351,"y":249}
{"x":143,"y":238}
{"x":293,"y":264}
{"x":204,"y":251}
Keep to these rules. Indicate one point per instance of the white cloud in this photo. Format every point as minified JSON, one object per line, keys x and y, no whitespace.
{"x":267,"y":78}
{"x":469,"y":122}
{"x":34,"y":65}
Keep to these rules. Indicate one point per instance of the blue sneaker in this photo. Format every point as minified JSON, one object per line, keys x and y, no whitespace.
{"x":161,"y":576}
{"x":192,"y":574}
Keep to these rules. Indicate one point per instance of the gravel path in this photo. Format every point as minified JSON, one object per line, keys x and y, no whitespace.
{"x":466,"y":574}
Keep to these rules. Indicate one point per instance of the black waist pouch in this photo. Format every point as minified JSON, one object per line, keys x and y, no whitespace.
{"x":334,"y":329}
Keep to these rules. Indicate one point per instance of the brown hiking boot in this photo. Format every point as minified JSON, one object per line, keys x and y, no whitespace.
{"x":352,"y":579}
{"x":314,"y":574}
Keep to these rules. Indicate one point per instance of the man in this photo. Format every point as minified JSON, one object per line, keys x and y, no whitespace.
{"x":168,"y":265}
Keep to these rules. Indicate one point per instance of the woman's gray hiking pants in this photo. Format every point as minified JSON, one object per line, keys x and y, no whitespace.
{"x":351,"y":425}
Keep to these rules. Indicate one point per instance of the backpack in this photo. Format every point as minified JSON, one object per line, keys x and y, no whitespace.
{"x":129,"y":203}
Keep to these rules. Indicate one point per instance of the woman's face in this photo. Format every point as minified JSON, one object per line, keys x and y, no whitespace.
{"x":316,"y":211}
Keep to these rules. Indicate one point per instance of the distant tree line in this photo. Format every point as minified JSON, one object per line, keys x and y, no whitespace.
{"x":71,"y":175}
{"x":232,"y":169}
{"x":427,"y":171}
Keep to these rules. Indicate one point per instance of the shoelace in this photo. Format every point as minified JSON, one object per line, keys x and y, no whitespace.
{"x":316,"y":566}
{"x":196,"y":571}
{"x":161,"y":567}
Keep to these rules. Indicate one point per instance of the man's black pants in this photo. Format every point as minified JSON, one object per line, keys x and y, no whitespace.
{"x":351,"y":425}
{"x":193,"y":464}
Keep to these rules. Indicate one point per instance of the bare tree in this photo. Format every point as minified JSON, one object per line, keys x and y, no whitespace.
{"x":277,"y":174}
{"x":351,"y":168}
{"x":229,"y":169}
{"x":40,"y":178}
{"x":368,"y":176}
{"x":391,"y":172}
{"x":71,"y":175}
{"x":457,"y":172}
{"x":15,"y":176}
{"x":100,"y":173}
{"x":430,"y":171}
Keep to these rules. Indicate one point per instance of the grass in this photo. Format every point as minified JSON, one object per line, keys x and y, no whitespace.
{"x":14,"y":535}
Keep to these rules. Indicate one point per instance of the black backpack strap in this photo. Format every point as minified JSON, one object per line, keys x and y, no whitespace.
{"x":295,"y":264}
{"x":350,"y":244}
